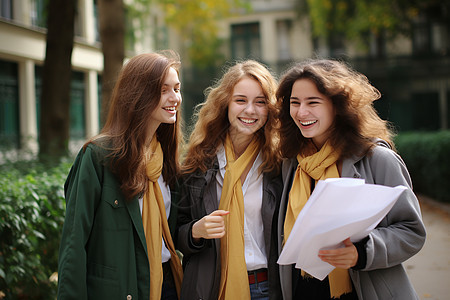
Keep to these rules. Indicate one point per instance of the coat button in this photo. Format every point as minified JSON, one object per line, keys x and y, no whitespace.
{"x":116,"y":202}
{"x":129,"y":296}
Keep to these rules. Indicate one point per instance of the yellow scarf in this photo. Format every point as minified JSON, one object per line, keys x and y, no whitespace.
{"x":234,"y":277}
{"x":155,"y":224}
{"x":318,"y":166}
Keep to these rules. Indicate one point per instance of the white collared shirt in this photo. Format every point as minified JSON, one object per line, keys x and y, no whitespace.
{"x":165,"y":191}
{"x":252,"y":189}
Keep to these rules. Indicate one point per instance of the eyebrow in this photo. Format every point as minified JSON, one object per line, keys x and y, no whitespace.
{"x":165,"y":84}
{"x":257,"y":97}
{"x":308,"y":98}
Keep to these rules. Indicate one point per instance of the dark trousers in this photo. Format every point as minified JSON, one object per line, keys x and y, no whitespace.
{"x":169,"y":291}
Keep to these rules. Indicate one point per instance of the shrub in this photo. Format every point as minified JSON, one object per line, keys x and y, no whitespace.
{"x":32,"y":209}
{"x":427,"y":155}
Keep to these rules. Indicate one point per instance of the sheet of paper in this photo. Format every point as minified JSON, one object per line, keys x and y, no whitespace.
{"x":337,"y":209}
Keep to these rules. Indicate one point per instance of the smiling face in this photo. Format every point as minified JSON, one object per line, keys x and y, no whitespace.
{"x":311,"y":111}
{"x":169,"y":103}
{"x":247,"y":110}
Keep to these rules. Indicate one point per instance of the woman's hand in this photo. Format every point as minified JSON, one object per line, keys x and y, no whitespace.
{"x":343,"y":258}
{"x":211,"y":226}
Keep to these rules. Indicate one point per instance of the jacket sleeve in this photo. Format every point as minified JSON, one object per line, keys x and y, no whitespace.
{"x":188,"y":214}
{"x":82,"y":192}
{"x":401,"y":234}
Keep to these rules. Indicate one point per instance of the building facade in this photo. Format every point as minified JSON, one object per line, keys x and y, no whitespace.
{"x":412,"y":73}
{"x":22,"y":54}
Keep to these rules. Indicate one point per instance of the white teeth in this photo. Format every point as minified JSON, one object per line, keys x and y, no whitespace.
{"x":171,"y":108}
{"x":308,"y":123}
{"x":248,"y":121}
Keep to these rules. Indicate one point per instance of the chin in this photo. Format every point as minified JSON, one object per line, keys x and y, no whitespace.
{"x":171,"y":121}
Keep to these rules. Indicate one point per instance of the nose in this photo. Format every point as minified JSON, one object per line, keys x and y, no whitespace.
{"x":302,"y":111}
{"x":250,"y":108}
{"x":174,"y":96}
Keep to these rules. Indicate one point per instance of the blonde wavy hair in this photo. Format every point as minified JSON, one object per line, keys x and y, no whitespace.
{"x":212,"y":123}
{"x":357,"y":124}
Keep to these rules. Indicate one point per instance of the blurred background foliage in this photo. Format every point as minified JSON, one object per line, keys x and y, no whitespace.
{"x":32,"y":210}
{"x":196,"y":21}
{"x":427,"y":156}
{"x":357,"y":19}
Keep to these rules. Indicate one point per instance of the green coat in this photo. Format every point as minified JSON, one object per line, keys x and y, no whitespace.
{"x":103,"y":253}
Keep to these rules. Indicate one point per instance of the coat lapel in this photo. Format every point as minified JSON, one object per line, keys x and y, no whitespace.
{"x":285,"y":270}
{"x":269,"y":203}
{"x":135,"y":214}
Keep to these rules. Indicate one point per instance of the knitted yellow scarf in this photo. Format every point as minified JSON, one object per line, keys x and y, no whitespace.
{"x":155,"y":226}
{"x":234,"y":277}
{"x":320,"y":165}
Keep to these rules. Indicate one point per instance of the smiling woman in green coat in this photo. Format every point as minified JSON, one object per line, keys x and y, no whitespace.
{"x":116,"y":241}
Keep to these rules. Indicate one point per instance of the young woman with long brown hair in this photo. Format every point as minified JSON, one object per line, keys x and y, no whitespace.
{"x":329,"y":128}
{"x":116,"y":241}
{"x":231,"y":190}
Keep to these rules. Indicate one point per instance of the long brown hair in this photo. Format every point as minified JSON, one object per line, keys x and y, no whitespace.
{"x":356,"y":123}
{"x":136,"y":95}
{"x":212,"y":123}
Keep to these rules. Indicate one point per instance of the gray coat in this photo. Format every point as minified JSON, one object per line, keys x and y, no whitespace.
{"x":201,"y":264}
{"x":399,"y":236}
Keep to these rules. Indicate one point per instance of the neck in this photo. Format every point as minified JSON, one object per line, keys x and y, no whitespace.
{"x":150,"y":133}
{"x":240,"y":144}
{"x":317,"y":144}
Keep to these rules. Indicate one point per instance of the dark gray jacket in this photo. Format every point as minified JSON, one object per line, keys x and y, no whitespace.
{"x":201,"y":264}
{"x":399,"y":236}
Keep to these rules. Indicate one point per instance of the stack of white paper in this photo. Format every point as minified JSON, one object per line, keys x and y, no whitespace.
{"x":337,"y":209}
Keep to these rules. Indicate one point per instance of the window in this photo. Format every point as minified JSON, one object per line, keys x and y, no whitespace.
{"x":377,"y":46}
{"x":77,"y":108}
{"x":38,"y":13}
{"x":6,"y":9}
{"x":9,"y":105}
{"x":283,"y":31}
{"x":336,"y":44}
{"x":421,"y":38}
{"x":97,"y":33}
{"x":430,"y":37}
{"x":245,"y":41}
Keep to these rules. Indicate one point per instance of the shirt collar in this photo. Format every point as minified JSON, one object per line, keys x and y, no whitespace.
{"x":222,"y":160}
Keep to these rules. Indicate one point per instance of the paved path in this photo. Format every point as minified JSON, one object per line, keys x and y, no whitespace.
{"x":429,"y":270}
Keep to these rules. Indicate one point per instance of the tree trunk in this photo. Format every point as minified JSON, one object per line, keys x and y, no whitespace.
{"x":112,"y":37}
{"x":55,"y":96}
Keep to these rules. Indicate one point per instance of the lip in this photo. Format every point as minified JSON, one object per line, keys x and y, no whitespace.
{"x":170,"y":109}
{"x":307,"y":124}
{"x":248,"y":121}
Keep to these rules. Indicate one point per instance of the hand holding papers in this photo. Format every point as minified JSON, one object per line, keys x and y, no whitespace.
{"x":337,"y":209}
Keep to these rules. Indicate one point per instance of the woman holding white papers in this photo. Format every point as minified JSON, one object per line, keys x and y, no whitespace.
{"x":330,"y":129}
{"x":230,"y":196}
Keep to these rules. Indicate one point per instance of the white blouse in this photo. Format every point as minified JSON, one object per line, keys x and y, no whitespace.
{"x":255,"y":253}
{"x":165,"y":191}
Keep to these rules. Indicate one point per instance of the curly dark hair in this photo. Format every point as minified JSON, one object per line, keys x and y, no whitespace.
{"x":356,"y":125}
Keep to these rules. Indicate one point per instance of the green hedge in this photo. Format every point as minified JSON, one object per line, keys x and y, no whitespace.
{"x":427,"y":156}
{"x":32,"y":211}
